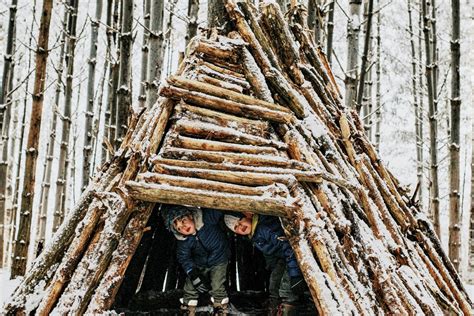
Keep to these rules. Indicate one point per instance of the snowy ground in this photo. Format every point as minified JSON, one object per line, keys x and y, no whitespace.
{"x":7,"y":287}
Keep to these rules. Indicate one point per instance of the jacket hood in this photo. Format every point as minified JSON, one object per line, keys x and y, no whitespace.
{"x":177,"y":211}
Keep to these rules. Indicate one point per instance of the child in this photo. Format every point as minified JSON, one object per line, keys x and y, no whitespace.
{"x":203,"y":253}
{"x":267,"y":235}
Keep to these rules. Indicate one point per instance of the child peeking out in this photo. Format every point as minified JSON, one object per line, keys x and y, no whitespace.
{"x":286,"y":281}
{"x":203,"y":253}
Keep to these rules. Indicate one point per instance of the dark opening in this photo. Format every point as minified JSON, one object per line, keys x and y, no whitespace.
{"x":154,"y":280}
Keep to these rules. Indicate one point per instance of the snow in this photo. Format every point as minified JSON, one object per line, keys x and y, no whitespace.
{"x":8,"y":286}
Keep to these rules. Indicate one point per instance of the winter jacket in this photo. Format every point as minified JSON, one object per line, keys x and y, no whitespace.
{"x":208,"y":247}
{"x":268,"y":236}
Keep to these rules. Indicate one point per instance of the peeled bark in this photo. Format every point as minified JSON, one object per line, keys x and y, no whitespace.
{"x":23,"y":239}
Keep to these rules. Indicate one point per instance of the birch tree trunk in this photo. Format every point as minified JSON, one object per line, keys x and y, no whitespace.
{"x":155,"y":55}
{"x":316,"y":19}
{"x":88,"y":132}
{"x":418,"y":122}
{"x":216,"y":13}
{"x":5,"y":113}
{"x":124,"y":93}
{"x":193,"y":10}
{"x":365,"y":54}
{"x":421,"y":94}
{"x":353,"y":30}
{"x":145,"y":52}
{"x":455,"y":222}
{"x":113,"y":24}
{"x":378,"y":72}
{"x":23,"y":239}
{"x":64,"y":157}
{"x":434,"y":189}
{"x":45,"y":193}
{"x":330,"y":30}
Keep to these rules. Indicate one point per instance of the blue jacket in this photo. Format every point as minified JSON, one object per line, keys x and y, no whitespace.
{"x":208,"y":247}
{"x":270,"y":239}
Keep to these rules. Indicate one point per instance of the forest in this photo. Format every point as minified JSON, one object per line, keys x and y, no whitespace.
{"x":349,"y":120}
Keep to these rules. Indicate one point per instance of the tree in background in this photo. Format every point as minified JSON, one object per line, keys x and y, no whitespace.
{"x":5,"y":114}
{"x":454,"y":209}
{"x":23,"y":239}
{"x":353,"y":30}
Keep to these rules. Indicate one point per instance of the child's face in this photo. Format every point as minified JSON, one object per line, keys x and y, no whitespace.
{"x":243,"y":226}
{"x":185,"y":225}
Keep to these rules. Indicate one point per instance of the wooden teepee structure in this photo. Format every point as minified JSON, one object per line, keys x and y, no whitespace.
{"x":253,"y":120}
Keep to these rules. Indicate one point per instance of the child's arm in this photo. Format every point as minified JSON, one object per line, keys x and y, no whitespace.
{"x":183,"y":254}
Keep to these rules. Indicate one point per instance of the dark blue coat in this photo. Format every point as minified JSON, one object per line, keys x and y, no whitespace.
{"x":208,"y":247}
{"x":270,"y":239}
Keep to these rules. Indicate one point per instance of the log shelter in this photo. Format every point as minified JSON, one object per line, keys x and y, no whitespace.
{"x":253,"y":120}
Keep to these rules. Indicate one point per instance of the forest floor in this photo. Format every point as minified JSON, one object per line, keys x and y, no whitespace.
{"x":166,"y":304}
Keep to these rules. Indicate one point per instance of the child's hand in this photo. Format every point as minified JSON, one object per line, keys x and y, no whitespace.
{"x":200,"y":281}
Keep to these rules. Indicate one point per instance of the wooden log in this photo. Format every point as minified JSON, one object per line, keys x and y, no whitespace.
{"x":283,"y":44}
{"x":220,"y":83}
{"x":159,"y":130}
{"x":237,"y":177}
{"x":245,"y":125}
{"x":104,"y":294}
{"x":84,"y":233}
{"x":222,"y":70}
{"x":203,"y":144}
{"x":209,"y":185}
{"x":93,"y":264}
{"x":208,"y":101}
{"x":54,"y":251}
{"x":158,"y":193}
{"x":255,"y":77}
{"x":244,"y":159}
{"x":214,"y":49}
{"x":212,"y":131}
{"x":205,"y":70}
{"x":193,"y":85}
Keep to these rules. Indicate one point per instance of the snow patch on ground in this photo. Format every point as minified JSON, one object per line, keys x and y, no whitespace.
{"x":8,"y":286}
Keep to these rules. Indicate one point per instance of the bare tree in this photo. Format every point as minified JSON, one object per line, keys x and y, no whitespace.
{"x":330,"y":30}
{"x":454,"y":209}
{"x":45,"y":193}
{"x":88,"y":132}
{"x":124,"y":93}
{"x":432,"y":106}
{"x":113,"y":26}
{"x":217,"y":15}
{"x":5,"y":113}
{"x":64,"y":157}
{"x":155,"y":55}
{"x":353,"y":30}
{"x":145,"y":51}
{"x":23,"y":238}
{"x":365,"y":54}
{"x":378,"y":72}
{"x":418,"y":121}
{"x":316,"y":19}
{"x":193,"y":10}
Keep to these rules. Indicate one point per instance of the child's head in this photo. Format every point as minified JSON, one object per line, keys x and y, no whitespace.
{"x":185,"y":225}
{"x":179,"y":219}
{"x":240,"y":226}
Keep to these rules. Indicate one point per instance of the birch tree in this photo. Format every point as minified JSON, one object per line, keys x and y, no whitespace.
{"x":316,"y":19}
{"x":5,"y":113}
{"x":124,"y":93}
{"x":353,"y":30}
{"x":145,"y":52}
{"x":433,"y":121}
{"x":92,"y":61}
{"x":365,"y":54}
{"x":454,"y":209}
{"x":155,"y":54}
{"x":23,"y":239}
{"x":64,"y":157}
{"x":330,"y":31}
{"x":193,"y":10}
{"x":216,"y":13}
{"x":378,"y":72}
{"x":48,"y":163}
{"x":416,"y":105}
